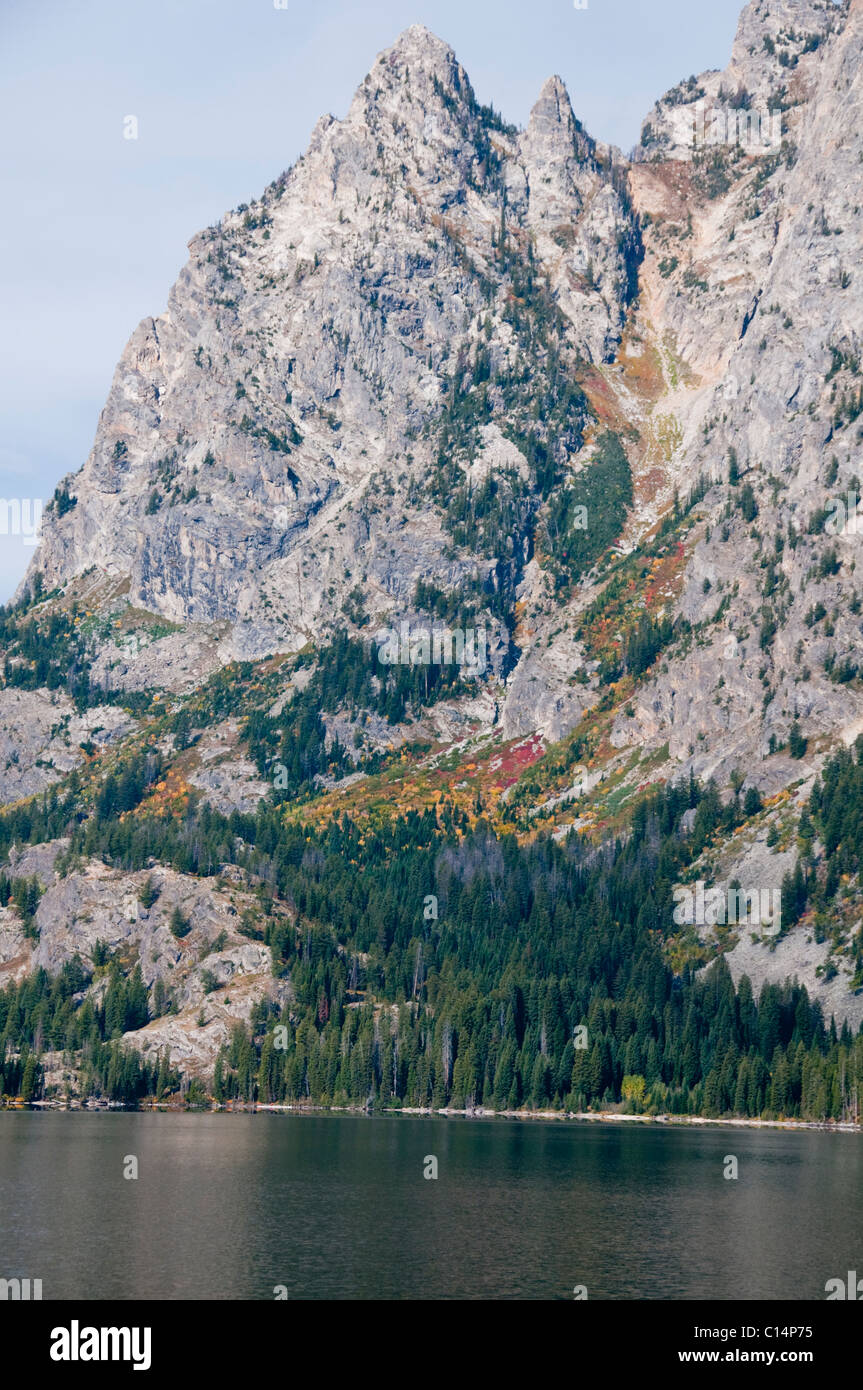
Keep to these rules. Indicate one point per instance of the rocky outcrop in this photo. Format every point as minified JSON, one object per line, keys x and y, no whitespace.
{"x":767,"y":400}
{"x":42,"y":737}
{"x":210,"y":978}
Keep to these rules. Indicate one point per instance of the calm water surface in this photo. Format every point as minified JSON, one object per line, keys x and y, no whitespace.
{"x":229,"y":1206}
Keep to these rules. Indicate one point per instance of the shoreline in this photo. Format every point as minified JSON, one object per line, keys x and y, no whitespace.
{"x":447,"y":1112}
{"x":582,"y":1116}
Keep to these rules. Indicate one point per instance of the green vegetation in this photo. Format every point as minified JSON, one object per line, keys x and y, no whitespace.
{"x":532,"y":397}
{"x":62,"y":501}
{"x":41,"y":1013}
{"x":531,"y":942}
{"x":603,"y":492}
{"x":24,"y":895}
{"x":835,"y":814}
{"x":477,"y":1004}
{"x":349,"y":676}
{"x":41,"y":649}
{"x":462,"y":607}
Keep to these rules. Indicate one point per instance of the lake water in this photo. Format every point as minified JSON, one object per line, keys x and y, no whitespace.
{"x":231,"y":1206}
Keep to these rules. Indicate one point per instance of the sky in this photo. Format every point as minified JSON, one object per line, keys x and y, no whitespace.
{"x":225,"y":94}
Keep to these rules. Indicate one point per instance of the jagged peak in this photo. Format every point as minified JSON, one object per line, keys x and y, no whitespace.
{"x":554,"y":85}
{"x":552,"y":119}
{"x":418,"y":37}
{"x":553,"y":100}
{"x":419,"y":50}
{"x":418,"y":60}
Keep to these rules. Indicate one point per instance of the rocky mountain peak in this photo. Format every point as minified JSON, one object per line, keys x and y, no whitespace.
{"x":417,"y":44}
{"x":558,"y":156}
{"x":315,"y":334}
{"x":419,"y":68}
{"x":553,"y":133}
{"x":553,"y":101}
{"x":414,"y":119}
{"x":552,"y":123}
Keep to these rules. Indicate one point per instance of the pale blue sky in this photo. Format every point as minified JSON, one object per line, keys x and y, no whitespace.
{"x":226,"y":93}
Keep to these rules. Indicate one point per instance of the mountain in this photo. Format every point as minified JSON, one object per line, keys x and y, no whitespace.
{"x":310,"y":346}
{"x":602,"y":415}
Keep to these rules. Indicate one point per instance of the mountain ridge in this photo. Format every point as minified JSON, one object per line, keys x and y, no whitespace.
{"x":390,"y":391}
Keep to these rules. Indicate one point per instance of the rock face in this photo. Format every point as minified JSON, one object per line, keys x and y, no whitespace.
{"x":774,"y":66}
{"x":269,"y":459}
{"x":212,"y":977}
{"x":766,"y":308}
{"x":41,"y":737}
{"x":312,"y":338}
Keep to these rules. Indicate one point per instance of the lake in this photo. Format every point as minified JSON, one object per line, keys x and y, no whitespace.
{"x":230,"y":1206}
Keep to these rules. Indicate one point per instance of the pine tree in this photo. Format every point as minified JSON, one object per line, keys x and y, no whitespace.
{"x":30,"y":1078}
{"x":180,"y":927}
